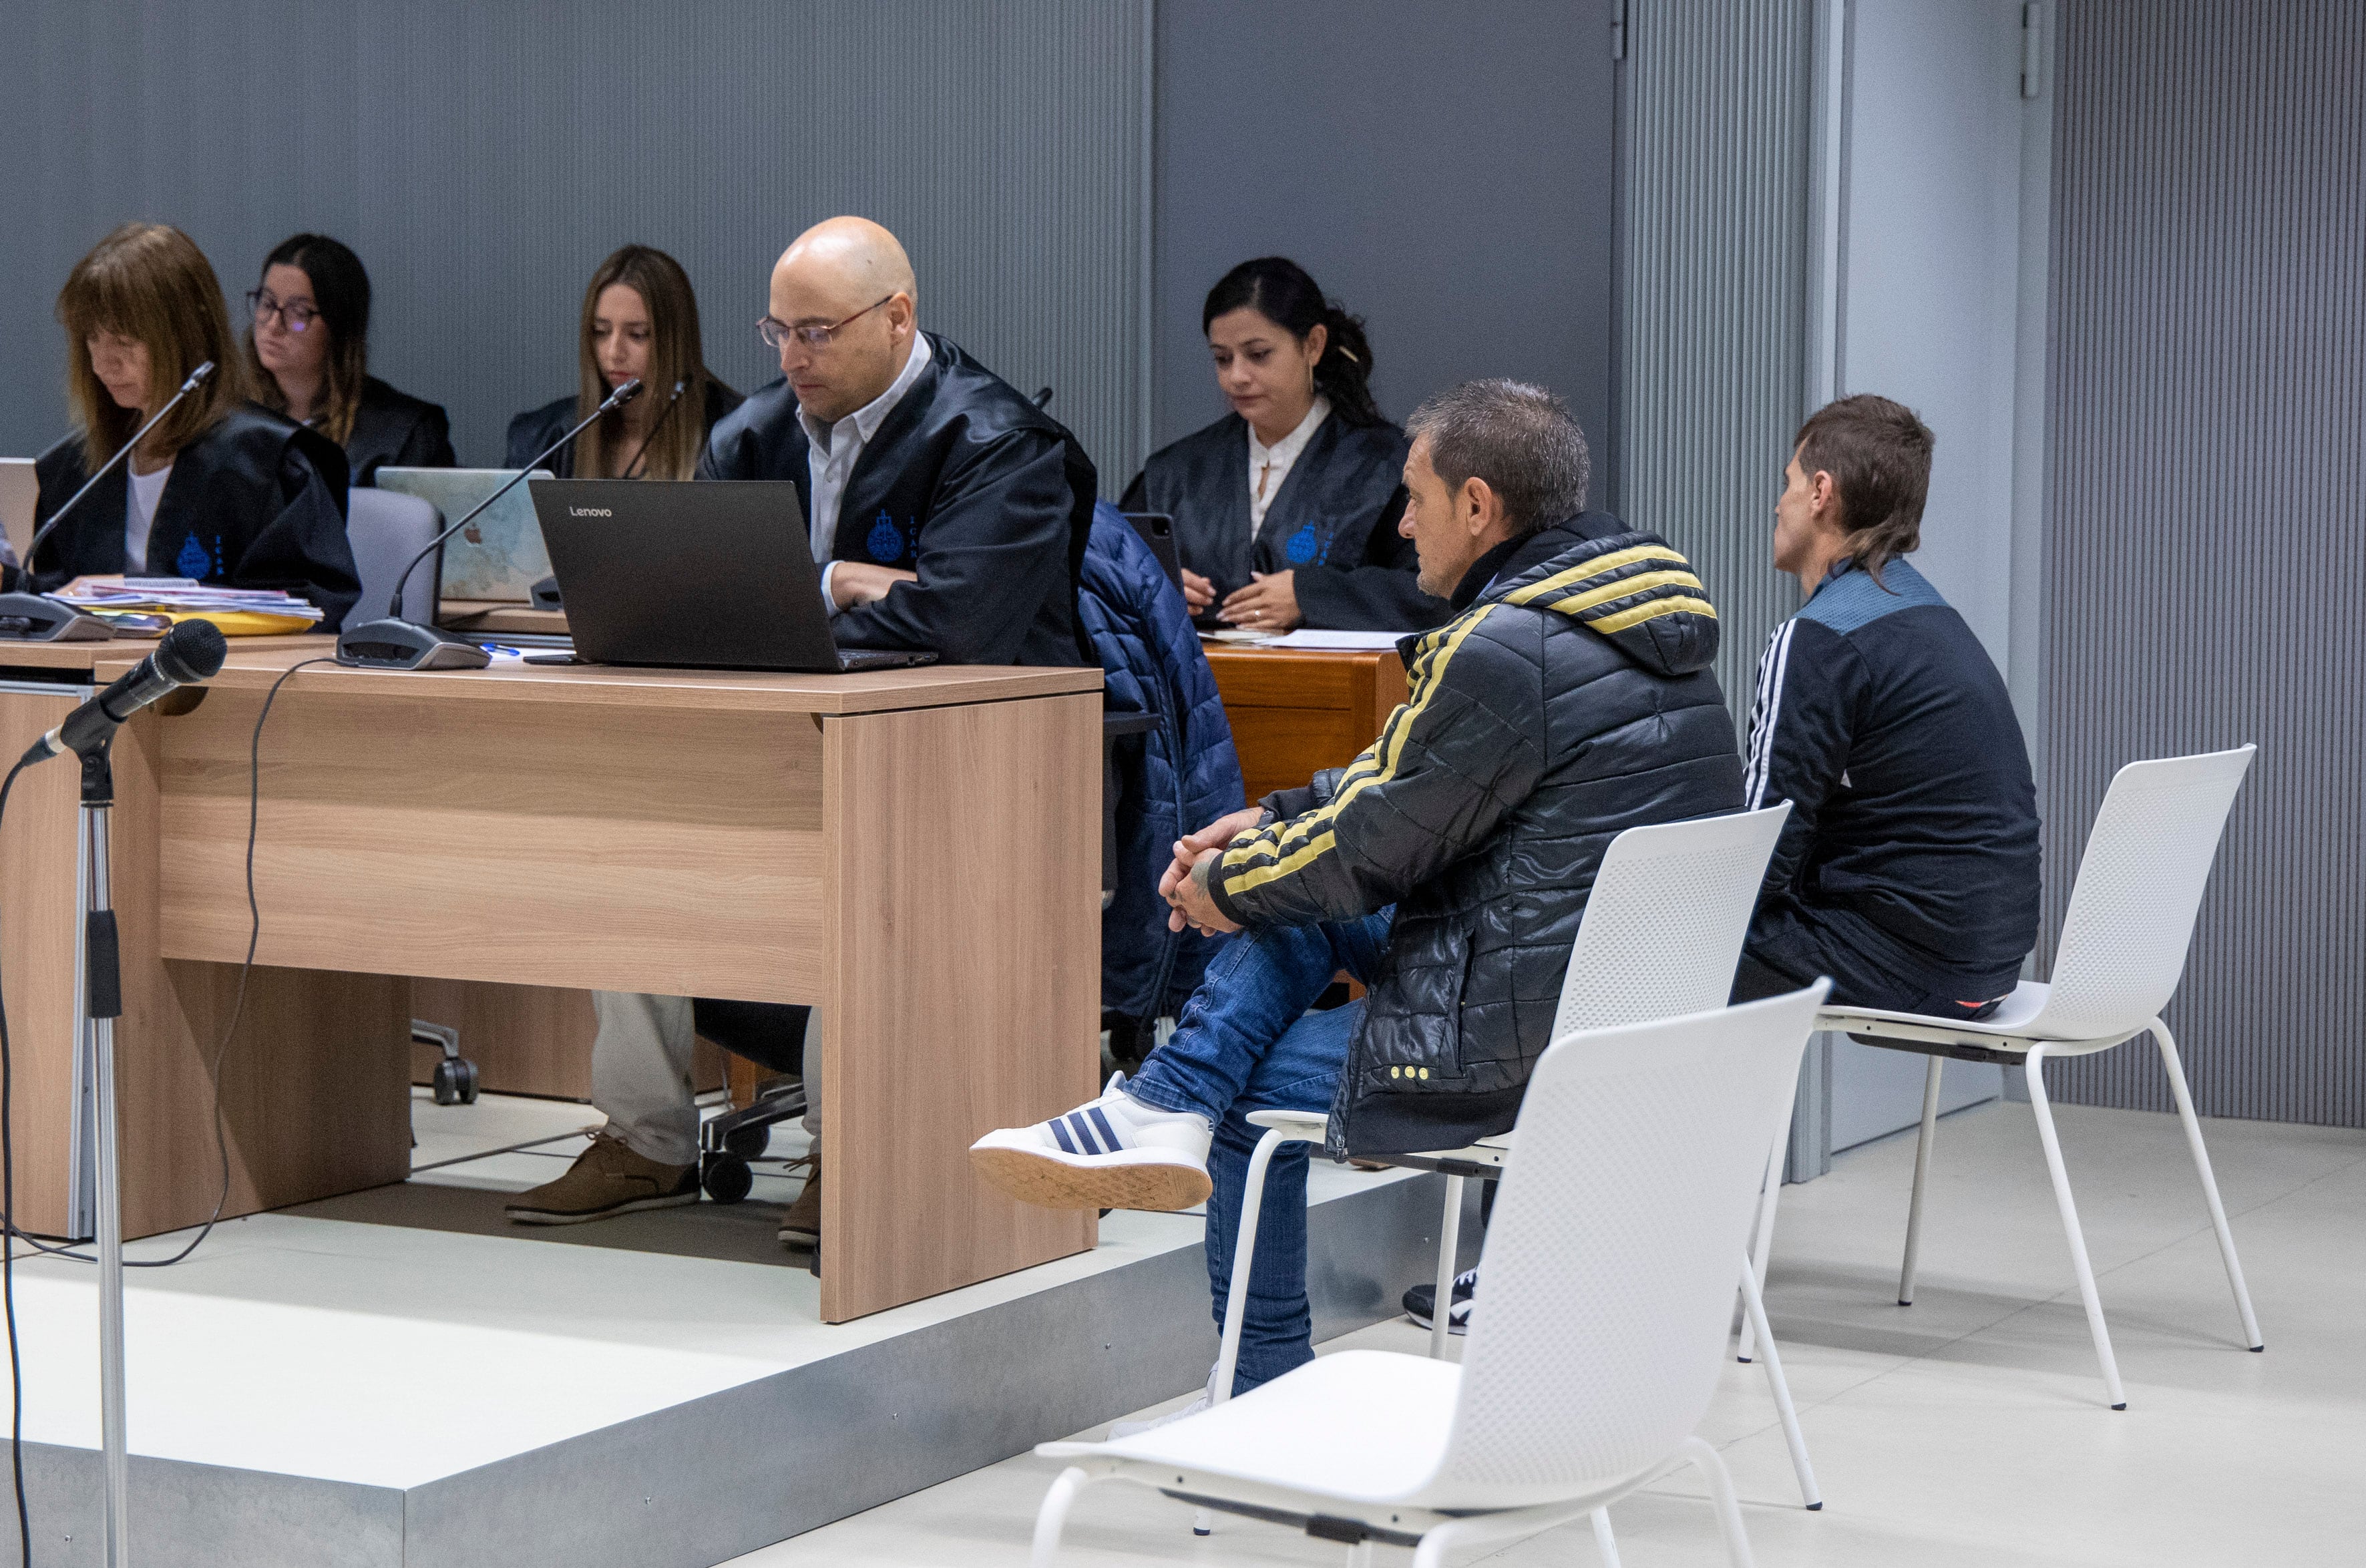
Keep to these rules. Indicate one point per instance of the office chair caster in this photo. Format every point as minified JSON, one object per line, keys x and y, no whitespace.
{"x":454,"y":1081}
{"x":747,"y":1142}
{"x":726,"y":1177}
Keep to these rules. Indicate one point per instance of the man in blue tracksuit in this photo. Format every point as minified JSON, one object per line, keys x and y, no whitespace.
{"x":1909,"y":870}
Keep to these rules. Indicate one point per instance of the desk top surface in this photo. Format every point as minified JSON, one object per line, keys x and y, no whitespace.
{"x":255,"y":662}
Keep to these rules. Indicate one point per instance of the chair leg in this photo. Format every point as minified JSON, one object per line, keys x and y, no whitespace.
{"x":1930,"y":1079}
{"x":1720,"y":1494}
{"x":1762,"y":1228}
{"x":1605,"y":1542}
{"x":1449,"y":1238}
{"x":1236,"y":1298}
{"x":2033,"y":1071}
{"x":2177,"y":1087}
{"x":1755,"y":1306}
{"x":1052,"y":1518}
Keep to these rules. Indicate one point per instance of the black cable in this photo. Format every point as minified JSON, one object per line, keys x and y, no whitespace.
{"x":10,"y":1234}
{"x":8,"y":1252}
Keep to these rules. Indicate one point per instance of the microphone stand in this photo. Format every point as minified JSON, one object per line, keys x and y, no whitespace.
{"x":394,"y":643}
{"x":37,"y":617}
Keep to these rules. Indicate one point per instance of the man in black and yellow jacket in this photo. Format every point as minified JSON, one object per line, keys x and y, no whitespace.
{"x":1570,"y":697}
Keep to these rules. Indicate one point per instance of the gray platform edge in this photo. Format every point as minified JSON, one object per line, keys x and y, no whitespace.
{"x":702,"y":1483}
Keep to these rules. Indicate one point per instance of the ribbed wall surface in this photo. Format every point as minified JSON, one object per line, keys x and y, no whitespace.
{"x":482,"y":158}
{"x":2207,"y":539}
{"x":1715,"y":276}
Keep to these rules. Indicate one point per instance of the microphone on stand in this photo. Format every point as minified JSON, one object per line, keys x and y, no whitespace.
{"x":663,"y":414}
{"x":394,"y":643}
{"x":37,"y":617}
{"x":192,"y":650}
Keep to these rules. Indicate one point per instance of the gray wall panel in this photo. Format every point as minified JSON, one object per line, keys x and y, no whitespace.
{"x":483,"y":158}
{"x":1447,"y":171}
{"x":2207,"y":541}
{"x":1713,"y":361}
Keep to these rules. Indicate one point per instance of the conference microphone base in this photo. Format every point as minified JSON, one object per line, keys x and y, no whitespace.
{"x":35,"y":617}
{"x":393,"y":644}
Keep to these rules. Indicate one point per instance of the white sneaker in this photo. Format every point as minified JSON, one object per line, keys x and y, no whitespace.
{"x":1110,"y":1152}
{"x":1135,"y":1428}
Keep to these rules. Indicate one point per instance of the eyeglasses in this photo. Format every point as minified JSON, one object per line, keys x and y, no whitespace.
{"x":295,"y":317}
{"x":777,"y":333}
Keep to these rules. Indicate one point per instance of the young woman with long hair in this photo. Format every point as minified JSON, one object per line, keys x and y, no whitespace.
{"x":640,"y":319}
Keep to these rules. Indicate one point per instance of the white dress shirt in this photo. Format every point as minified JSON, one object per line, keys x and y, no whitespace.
{"x":832,"y":452}
{"x":140,"y":517}
{"x":1268,"y":466}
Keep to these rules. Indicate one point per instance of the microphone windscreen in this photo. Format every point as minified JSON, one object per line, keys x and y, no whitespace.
{"x":192,"y":650}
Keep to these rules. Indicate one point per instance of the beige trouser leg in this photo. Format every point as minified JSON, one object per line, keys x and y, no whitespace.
{"x":641,"y":1074}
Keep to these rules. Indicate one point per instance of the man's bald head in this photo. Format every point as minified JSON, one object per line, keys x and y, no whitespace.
{"x":848,"y":262}
{"x":852,"y":275}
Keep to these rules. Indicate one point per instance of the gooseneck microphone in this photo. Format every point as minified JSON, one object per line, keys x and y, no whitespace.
{"x":663,"y":414}
{"x":192,"y":650}
{"x":34,"y":617}
{"x":394,"y":643}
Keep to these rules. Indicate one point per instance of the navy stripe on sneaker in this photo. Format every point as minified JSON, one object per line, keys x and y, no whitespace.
{"x":1067,"y":1145}
{"x":1084,"y":1131}
{"x":1102,"y":1122}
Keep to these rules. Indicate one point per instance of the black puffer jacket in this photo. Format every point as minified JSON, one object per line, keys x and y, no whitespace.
{"x":1569,"y":699}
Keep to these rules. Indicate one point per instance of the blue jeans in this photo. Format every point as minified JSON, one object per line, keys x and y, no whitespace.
{"x":1246,"y":1043}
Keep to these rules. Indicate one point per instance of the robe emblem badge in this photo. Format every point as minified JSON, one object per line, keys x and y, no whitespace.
{"x":1305,"y":547}
{"x":885,"y":540}
{"x":193,"y":561}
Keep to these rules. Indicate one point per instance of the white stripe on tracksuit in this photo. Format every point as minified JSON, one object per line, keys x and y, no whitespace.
{"x":1765,"y":711}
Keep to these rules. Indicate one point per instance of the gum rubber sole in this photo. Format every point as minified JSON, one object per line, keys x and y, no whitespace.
{"x":1054,"y":1184}
{"x":555,"y":1217}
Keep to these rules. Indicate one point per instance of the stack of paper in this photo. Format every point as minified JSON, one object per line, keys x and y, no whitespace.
{"x":138,"y":603}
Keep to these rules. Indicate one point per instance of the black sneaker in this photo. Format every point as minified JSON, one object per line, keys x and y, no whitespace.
{"x":1422,"y":1299}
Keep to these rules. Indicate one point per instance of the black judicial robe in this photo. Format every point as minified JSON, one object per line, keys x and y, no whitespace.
{"x":536,"y":429}
{"x":395,"y":430}
{"x":256,"y":502}
{"x":965,"y":482}
{"x":1333,"y":525}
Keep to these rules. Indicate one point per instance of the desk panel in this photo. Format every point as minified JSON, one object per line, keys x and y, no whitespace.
{"x":488,"y":840}
{"x":1297,"y":711}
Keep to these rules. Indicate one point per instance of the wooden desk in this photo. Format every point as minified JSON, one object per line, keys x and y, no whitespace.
{"x":1296,"y":711}
{"x":778,"y":837}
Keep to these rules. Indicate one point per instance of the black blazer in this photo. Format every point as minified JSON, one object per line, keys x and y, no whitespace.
{"x":1333,"y":525}
{"x":536,"y":429}
{"x":986,"y":497}
{"x":256,"y":502}
{"x":396,"y":430}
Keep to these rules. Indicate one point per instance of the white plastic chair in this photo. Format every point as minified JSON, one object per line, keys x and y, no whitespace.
{"x":2123,"y":948}
{"x":1609,"y":1271}
{"x":1660,"y":938}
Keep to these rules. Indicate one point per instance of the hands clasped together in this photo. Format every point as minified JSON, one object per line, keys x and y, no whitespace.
{"x":1187,"y":899}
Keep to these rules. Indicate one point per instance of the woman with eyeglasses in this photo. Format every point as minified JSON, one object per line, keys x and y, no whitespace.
{"x":1286,"y":509}
{"x":640,"y":319}
{"x":221,"y":489}
{"x":308,"y":357}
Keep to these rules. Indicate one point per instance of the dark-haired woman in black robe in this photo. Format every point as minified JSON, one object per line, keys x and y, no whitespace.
{"x":221,"y":491}
{"x":1286,"y":509}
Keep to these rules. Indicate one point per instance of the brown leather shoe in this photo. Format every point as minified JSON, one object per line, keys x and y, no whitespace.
{"x":801,"y":1221}
{"x":606,"y":1178}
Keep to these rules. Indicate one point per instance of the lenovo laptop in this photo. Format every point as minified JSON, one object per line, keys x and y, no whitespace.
{"x":714,"y":576}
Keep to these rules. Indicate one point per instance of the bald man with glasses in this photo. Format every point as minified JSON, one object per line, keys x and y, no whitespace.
{"x":949,"y":514}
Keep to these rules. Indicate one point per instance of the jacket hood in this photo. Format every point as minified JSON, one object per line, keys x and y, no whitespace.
{"x":1626,"y":584}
